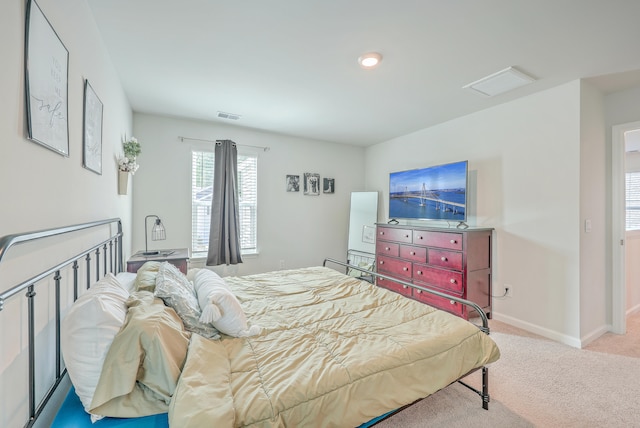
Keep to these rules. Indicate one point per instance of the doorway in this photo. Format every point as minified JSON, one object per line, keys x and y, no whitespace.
{"x":618,"y":226}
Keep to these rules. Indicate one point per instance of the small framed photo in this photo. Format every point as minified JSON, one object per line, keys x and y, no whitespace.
{"x":328,"y":185}
{"x":311,"y":184}
{"x":92,"y":138}
{"x":293,"y":183}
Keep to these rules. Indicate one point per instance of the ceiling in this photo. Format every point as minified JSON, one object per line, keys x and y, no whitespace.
{"x":290,"y":66}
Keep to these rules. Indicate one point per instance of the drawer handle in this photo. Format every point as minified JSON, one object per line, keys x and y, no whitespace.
{"x":419,"y":291}
{"x":381,"y":262}
{"x":413,"y":253}
{"x":453,"y":241}
{"x":419,"y":272}
{"x":452,"y":280}
{"x":405,"y":268}
{"x":404,"y":286}
{"x":406,"y":236}
{"x":452,"y":302}
{"x":444,"y":259}
{"x":387,"y":249}
{"x":420,"y":237}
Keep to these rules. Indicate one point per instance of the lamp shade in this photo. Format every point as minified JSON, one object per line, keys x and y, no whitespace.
{"x":157,"y":234}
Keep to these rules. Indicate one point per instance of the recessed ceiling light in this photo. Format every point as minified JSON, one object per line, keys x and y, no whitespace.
{"x":500,"y":82}
{"x":370,"y":60}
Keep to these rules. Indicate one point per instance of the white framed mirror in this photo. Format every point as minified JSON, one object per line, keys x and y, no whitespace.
{"x":362,"y":222}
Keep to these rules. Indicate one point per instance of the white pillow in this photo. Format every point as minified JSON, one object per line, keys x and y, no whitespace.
{"x":87,"y":332}
{"x":126,"y":280}
{"x":173,"y":287}
{"x":220,"y":307}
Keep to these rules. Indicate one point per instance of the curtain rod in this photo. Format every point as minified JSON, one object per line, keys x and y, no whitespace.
{"x":266,"y":149}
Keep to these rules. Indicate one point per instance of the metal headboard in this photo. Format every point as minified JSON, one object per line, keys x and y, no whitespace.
{"x":112,"y":261}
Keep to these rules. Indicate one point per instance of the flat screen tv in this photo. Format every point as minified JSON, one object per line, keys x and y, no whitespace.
{"x":434,"y":193}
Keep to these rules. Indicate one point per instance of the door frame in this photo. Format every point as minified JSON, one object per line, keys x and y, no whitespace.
{"x":618,"y":228}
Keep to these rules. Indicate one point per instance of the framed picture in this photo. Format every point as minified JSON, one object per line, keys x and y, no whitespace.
{"x":46,"y":87}
{"x":328,"y":185}
{"x":368,"y":234}
{"x":92,"y":138}
{"x":311,"y":184}
{"x":293,"y":183}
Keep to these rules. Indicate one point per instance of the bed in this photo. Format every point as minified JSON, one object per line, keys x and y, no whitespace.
{"x":314,"y":347}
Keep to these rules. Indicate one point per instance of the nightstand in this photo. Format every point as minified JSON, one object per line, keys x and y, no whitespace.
{"x":177,"y":257}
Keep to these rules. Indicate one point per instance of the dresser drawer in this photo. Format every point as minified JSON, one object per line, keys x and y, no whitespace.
{"x":439,"y":302}
{"x":392,"y":234}
{"x":394,"y":267}
{"x":441,"y":278}
{"x":394,"y":286}
{"x":452,"y":241}
{"x":387,"y":248}
{"x":415,"y":254}
{"x":444,"y":258}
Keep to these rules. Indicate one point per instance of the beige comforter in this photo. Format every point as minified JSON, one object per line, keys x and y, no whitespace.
{"x":334,"y":351}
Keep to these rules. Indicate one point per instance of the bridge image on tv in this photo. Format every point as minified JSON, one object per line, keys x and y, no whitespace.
{"x":437,"y":193}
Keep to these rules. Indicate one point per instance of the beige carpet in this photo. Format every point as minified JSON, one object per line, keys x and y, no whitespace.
{"x":538,"y":383}
{"x":627,"y":344}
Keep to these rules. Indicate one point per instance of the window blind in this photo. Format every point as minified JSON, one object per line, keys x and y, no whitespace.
{"x":202,"y":167}
{"x":632,"y":196}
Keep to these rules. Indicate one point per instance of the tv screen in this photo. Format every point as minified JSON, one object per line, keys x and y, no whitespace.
{"x":434,"y":193}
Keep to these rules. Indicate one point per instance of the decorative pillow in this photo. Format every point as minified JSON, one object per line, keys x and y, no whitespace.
{"x":220,"y":307}
{"x":177,"y":292}
{"x":146,"y":277}
{"x":87,"y":331}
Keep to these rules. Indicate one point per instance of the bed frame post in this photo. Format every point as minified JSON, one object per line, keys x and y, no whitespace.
{"x":485,"y":388}
{"x":57,"y":277}
{"x":98,"y":264}
{"x":88,"y":261}
{"x":119,"y":251}
{"x":104,"y":255}
{"x":32,"y":346}
{"x":75,"y":280}
{"x":112,"y":264}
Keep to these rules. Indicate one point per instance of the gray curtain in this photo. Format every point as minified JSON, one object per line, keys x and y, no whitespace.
{"x":224,"y":235}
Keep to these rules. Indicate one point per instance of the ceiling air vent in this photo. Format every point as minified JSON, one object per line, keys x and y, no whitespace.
{"x":230,"y":116}
{"x":500,"y":82}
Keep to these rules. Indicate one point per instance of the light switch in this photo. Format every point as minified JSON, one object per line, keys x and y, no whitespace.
{"x":587,"y":225}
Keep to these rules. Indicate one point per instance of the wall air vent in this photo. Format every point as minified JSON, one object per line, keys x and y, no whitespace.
{"x":500,"y":82}
{"x":230,"y":116}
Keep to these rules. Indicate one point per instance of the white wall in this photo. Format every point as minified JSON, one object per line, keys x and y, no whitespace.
{"x":594,"y":292}
{"x":524,"y":162}
{"x":301,"y":230}
{"x":41,"y":189}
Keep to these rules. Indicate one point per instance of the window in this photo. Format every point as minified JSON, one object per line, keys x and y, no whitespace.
{"x":202,"y":165}
{"x":632,"y":192}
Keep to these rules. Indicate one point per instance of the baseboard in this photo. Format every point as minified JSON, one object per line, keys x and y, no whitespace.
{"x":595,"y":334}
{"x":536,"y":329}
{"x":633,"y":310}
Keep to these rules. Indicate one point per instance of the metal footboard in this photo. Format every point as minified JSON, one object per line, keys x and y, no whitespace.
{"x":108,"y":251}
{"x":484,"y":393}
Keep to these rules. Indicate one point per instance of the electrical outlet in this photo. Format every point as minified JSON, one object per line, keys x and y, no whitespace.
{"x":281,"y":264}
{"x":508,"y":290}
